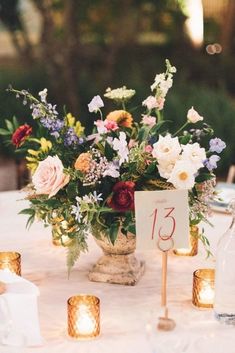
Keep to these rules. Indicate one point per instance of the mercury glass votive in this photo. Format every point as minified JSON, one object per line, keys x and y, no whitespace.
{"x":11,"y":260}
{"x":83,"y":317}
{"x":192,"y":249}
{"x":203,"y":288}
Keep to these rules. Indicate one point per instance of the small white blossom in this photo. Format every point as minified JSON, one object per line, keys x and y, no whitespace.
{"x":76,"y":212}
{"x":95,"y":104}
{"x":112,"y":170}
{"x":193,"y":116}
{"x":119,"y":94}
{"x":120,"y":145}
{"x":148,"y":120}
{"x":150,"y":102}
{"x":100,"y":124}
{"x":96,"y":197}
{"x":43,"y":95}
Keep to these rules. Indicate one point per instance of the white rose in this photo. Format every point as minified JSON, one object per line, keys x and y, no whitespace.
{"x":49,"y":177}
{"x":182,"y":176}
{"x":167,"y":149}
{"x":193,"y":116}
{"x":165,"y":169}
{"x":194,"y":154}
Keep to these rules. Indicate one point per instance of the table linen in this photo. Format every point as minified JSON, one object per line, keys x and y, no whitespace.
{"x":129,"y":315}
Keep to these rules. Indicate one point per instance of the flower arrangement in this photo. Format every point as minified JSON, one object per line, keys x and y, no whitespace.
{"x":84,"y":184}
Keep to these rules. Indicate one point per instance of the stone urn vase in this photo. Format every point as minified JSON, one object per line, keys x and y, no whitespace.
{"x":118,"y":264}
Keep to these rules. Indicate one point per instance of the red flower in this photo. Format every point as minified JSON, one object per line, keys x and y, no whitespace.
{"x":20,"y":135}
{"x":122,"y":199}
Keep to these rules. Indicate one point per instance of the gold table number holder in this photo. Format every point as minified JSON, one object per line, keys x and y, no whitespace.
{"x":165,"y":323}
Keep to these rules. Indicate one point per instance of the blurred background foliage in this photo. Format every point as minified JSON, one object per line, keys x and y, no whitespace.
{"x":82,"y":47}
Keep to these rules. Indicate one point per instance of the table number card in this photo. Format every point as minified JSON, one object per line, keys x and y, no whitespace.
{"x":162,"y":216}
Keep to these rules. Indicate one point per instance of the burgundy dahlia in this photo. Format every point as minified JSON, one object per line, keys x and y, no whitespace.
{"x":19,"y":136}
{"x":122,"y":199}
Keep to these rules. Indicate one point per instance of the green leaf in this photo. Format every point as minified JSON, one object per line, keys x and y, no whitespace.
{"x":108,"y":151}
{"x":29,"y":211}
{"x":185,"y":139}
{"x":132,"y":228}
{"x":15,"y":122}
{"x":203,"y":177}
{"x":9,"y":125}
{"x":157,"y":127}
{"x":30,"y":221}
{"x":151,"y":168}
{"x":124,"y":231}
{"x":52,"y":203}
{"x":72,"y":190}
{"x":113,"y":232}
{"x":143,"y":133}
{"x":5,"y":132}
{"x":73,"y":254}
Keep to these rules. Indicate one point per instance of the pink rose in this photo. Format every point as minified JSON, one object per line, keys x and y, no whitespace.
{"x":148,"y":120}
{"x":110,"y":125}
{"x":49,"y":177}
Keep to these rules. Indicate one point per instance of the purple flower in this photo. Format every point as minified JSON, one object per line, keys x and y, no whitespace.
{"x":53,"y":125}
{"x":217,"y":145}
{"x":211,"y":163}
{"x":71,"y":138}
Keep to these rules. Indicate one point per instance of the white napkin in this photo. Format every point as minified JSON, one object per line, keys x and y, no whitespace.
{"x":19,"y":324}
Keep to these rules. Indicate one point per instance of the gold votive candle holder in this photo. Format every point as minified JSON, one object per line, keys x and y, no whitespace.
{"x":203,"y":288}
{"x":83,"y":317}
{"x":192,"y":249}
{"x":10,"y":260}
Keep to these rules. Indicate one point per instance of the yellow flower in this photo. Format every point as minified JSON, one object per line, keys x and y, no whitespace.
{"x":70,"y":120}
{"x":79,"y":128}
{"x":83,"y":162}
{"x":34,"y":156}
{"x":33,"y":163}
{"x":121,"y":117}
{"x":45,"y":145}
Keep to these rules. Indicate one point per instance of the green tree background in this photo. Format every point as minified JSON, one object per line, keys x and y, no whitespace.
{"x":86,"y":46}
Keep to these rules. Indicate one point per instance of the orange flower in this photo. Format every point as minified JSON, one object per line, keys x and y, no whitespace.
{"x":83,"y":162}
{"x":121,"y":117}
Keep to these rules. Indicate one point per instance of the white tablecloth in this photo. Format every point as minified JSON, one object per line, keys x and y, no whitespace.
{"x":128,"y":314}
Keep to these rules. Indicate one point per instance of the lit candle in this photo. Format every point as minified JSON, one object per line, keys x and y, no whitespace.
{"x":83,"y":316}
{"x":10,"y":261}
{"x":203,"y":288}
{"x":85,"y":324}
{"x":192,"y":249}
{"x":207,"y":294}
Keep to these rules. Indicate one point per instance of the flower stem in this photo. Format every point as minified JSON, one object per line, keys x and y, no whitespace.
{"x":180,"y":129}
{"x":159,"y":116}
{"x":101,"y":115}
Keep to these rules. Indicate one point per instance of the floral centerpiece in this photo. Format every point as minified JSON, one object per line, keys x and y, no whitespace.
{"x":84,"y":184}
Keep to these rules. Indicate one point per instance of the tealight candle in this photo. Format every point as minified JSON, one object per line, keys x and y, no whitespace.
{"x":192,"y":249}
{"x":83,"y":317}
{"x":11,"y":261}
{"x":203,"y":288}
